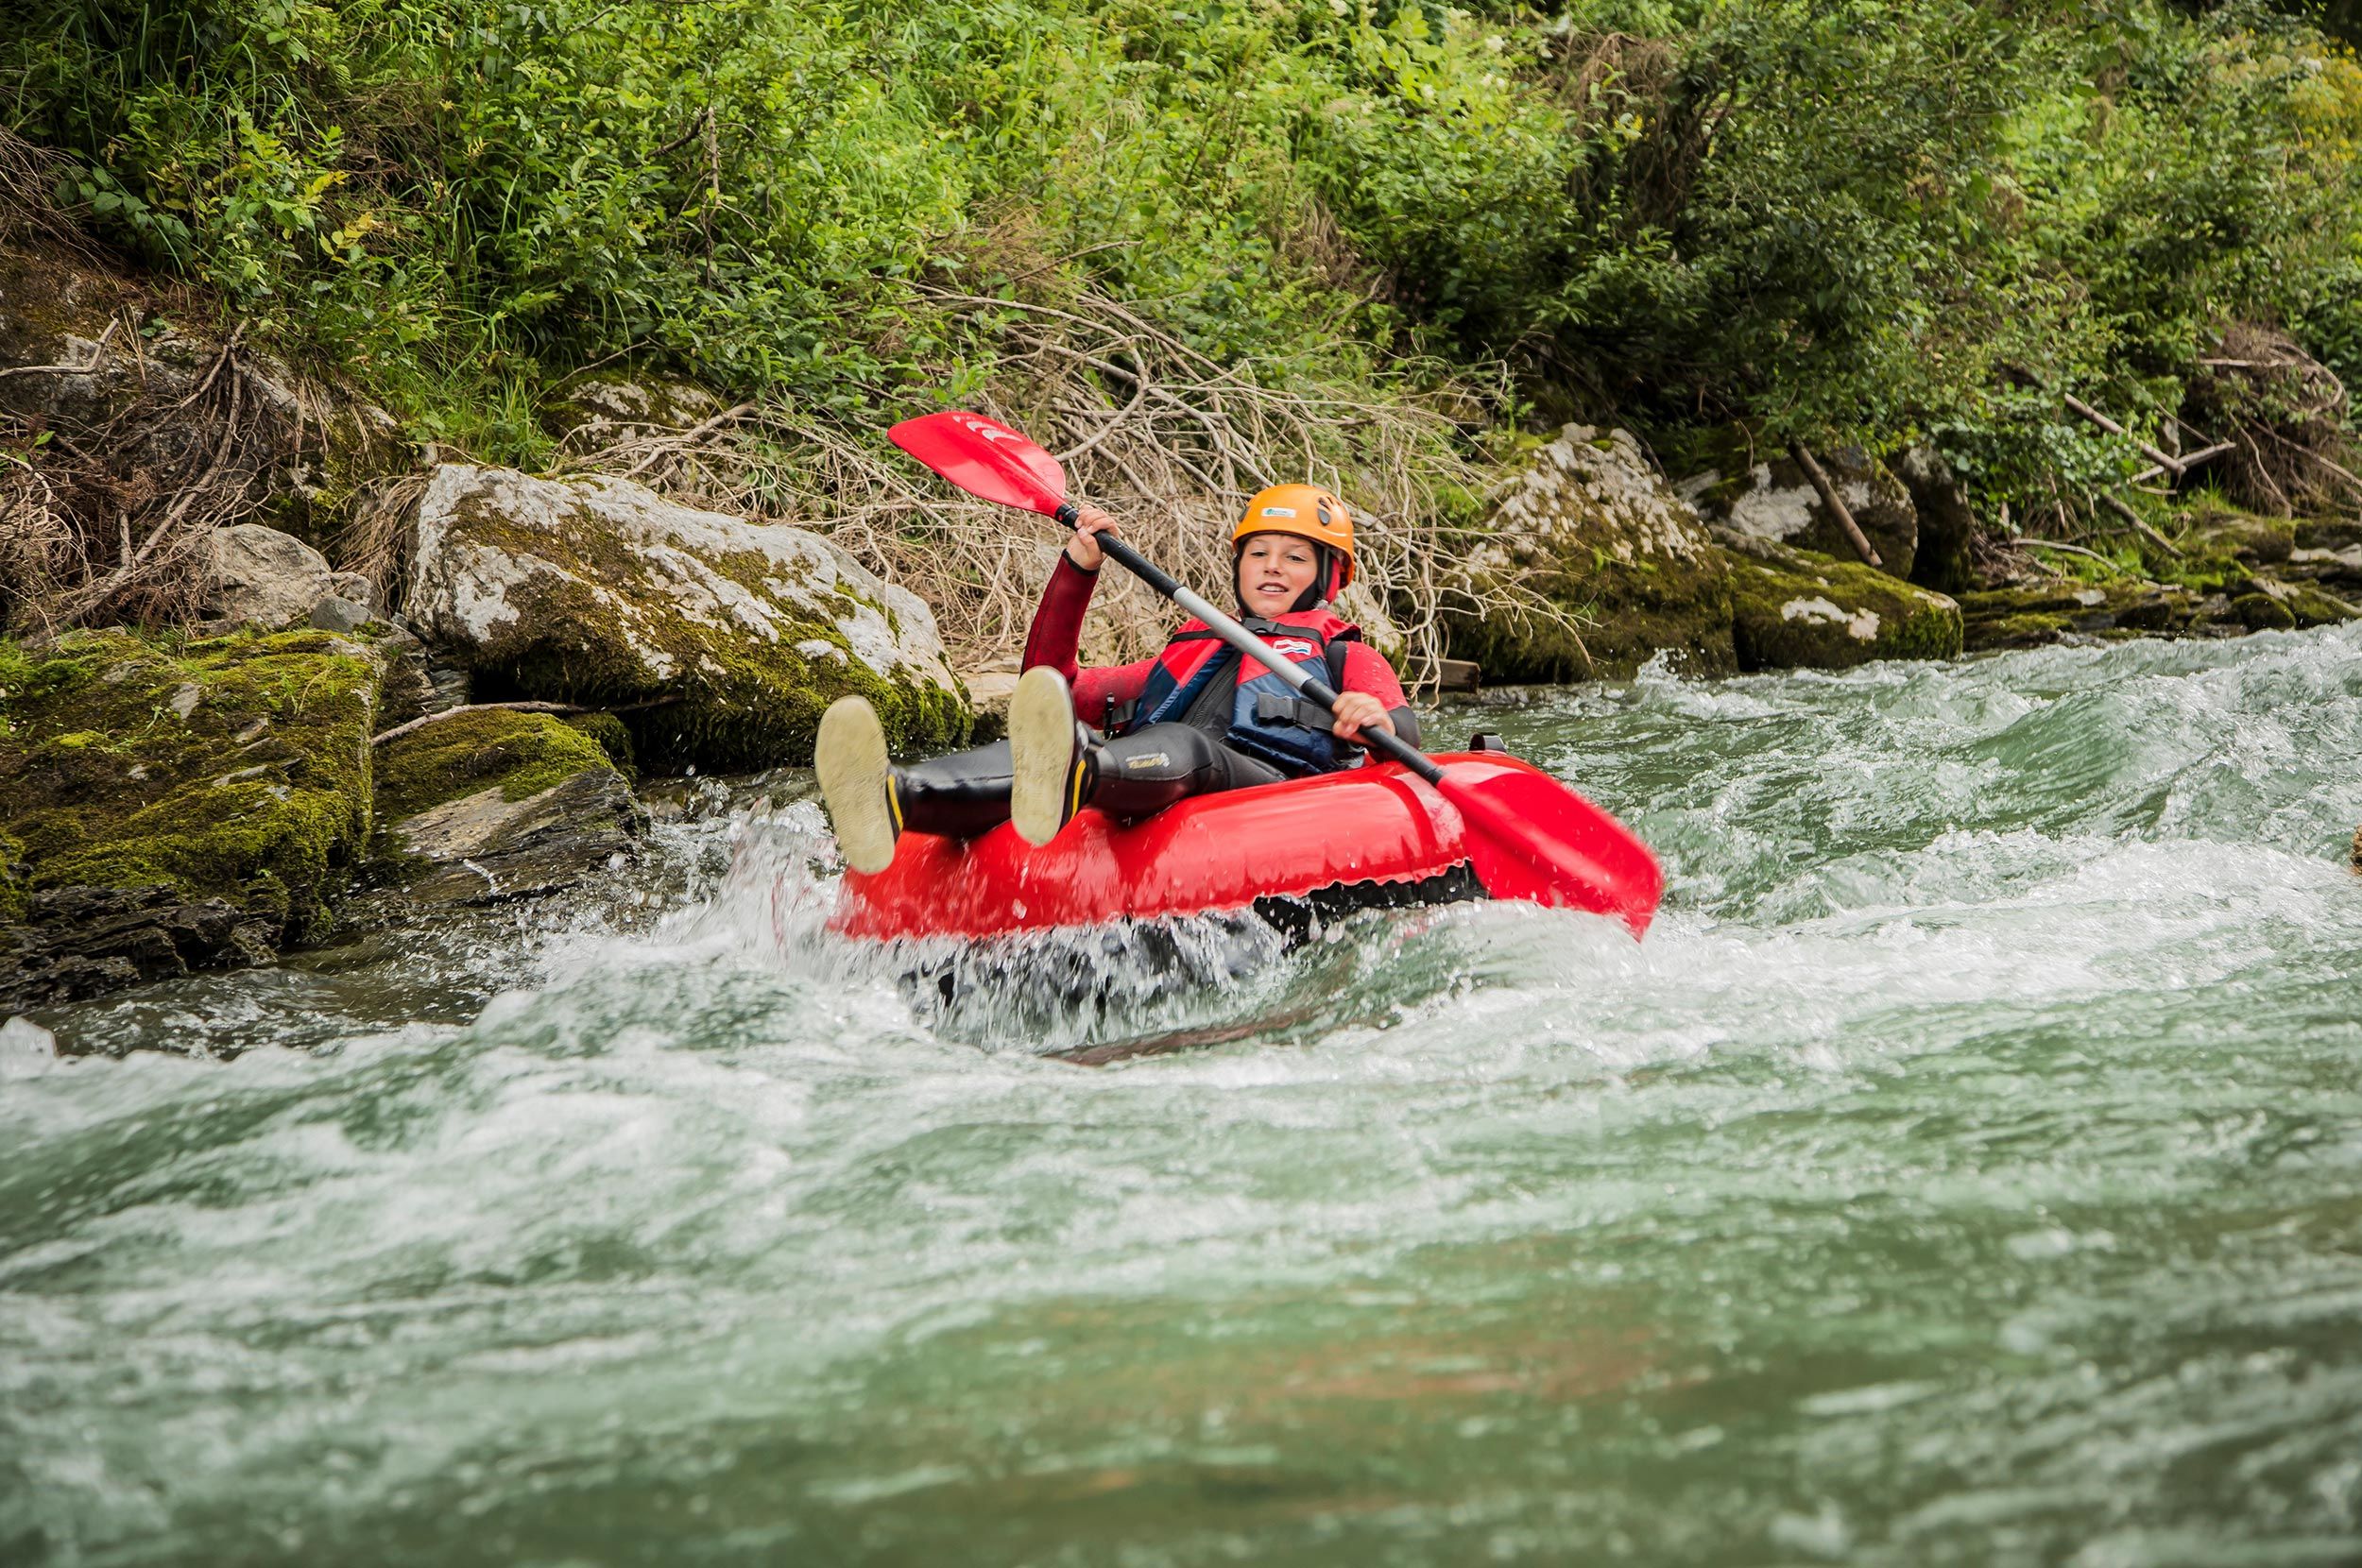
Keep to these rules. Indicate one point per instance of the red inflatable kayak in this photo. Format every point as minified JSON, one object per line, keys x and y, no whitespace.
{"x":1375,"y":835}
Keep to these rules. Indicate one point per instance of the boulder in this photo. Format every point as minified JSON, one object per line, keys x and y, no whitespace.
{"x":2034,"y":615}
{"x":1947,"y":524}
{"x":492,"y":804}
{"x":1590,"y":529}
{"x":2338,"y":570}
{"x":268,"y":577}
{"x":2271,"y":602}
{"x":1761,"y":491}
{"x":169,"y":807}
{"x":2240,"y":537}
{"x":1798,"y":609}
{"x":726,"y":639}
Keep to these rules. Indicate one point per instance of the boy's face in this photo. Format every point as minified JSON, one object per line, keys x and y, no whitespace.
{"x":1273,"y":571}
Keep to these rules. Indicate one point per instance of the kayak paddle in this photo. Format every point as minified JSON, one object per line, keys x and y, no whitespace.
{"x":1534,"y":833}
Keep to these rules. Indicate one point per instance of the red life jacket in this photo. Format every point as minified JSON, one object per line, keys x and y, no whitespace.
{"x":1267,"y":719}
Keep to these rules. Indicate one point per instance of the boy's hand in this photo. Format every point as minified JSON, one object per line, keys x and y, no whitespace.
{"x":1083,"y":550}
{"x":1356,"y":711}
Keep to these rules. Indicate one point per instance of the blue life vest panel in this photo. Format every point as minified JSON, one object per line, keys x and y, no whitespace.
{"x":1267,"y":719}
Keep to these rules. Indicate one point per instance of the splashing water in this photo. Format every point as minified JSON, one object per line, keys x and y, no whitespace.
{"x":1968,"y":1169}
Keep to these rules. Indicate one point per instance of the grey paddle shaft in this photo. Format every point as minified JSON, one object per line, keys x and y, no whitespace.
{"x":1384,"y":742}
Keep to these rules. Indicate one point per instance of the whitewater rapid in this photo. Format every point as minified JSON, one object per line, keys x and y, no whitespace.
{"x":1967,"y":1168}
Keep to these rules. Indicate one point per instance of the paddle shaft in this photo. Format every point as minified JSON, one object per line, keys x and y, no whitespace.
{"x":1385,"y":742}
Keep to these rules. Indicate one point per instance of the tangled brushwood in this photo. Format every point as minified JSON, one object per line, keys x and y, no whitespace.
{"x":2284,"y":414}
{"x":1165,"y":439}
{"x":110,"y":520}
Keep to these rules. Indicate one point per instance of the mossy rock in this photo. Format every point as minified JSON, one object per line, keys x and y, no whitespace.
{"x":600,"y":408}
{"x":2261,"y":612}
{"x":2327,"y":532}
{"x":2242,"y":537}
{"x":2035,"y":615}
{"x":1796,"y":609}
{"x":232,"y":772}
{"x":1590,"y":526}
{"x":728,"y":640}
{"x":493,"y":804}
{"x":519,"y":753}
{"x":314,"y":443}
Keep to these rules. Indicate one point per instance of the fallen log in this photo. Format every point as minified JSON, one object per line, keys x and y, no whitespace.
{"x":1829,"y":498}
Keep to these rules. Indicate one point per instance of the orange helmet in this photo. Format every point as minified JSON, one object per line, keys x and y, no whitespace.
{"x":1305,"y":510}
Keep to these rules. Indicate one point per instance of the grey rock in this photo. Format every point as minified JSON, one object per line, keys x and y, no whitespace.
{"x":1763,"y":492}
{"x":482,"y":849}
{"x":599,"y":590}
{"x":1946,"y":522}
{"x":266,"y":576}
{"x":340,"y":615}
{"x":1591,"y":526}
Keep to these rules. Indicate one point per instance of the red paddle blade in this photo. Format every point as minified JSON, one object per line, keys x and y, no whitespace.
{"x":984,"y":458}
{"x":1531,"y":837}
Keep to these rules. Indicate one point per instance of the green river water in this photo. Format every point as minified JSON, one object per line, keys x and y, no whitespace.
{"x":1966,"y":1170}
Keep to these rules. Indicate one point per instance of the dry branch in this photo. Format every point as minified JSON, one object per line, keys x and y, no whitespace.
{"x":2120,"y":509}
{"x":1169,"y":440}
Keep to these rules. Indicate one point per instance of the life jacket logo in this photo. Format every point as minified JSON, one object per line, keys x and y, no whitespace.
{"x":1294,"y":647}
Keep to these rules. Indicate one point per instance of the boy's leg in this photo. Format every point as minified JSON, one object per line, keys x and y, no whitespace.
{"x":1154,"y":768}
{"x":958,"y":796}
{"x":871,"y":802}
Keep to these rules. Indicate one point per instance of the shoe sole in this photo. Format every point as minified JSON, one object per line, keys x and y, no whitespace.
{"x":1041,"y":754}
{"x":850,"y":758}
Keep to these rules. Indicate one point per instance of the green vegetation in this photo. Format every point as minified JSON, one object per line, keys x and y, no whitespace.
{"x":236,"y":768}
{"x":1873,"y":219}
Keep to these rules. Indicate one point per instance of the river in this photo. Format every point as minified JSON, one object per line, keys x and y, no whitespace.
{"x":1967,"y":1168}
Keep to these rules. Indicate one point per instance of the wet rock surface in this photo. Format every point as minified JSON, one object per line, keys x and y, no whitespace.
{"x":725,"y":639}
{"x":79,"y":942}
{"x":2034,"y":615}
{"x":493,"y":804}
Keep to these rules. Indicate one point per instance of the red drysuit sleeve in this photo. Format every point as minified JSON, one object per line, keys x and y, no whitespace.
{"x":1366,"y":670}
{"x":1057,"y":630}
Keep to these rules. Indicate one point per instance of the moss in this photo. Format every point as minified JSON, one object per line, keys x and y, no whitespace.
{"x":2034,"y":615}
{"x":1796,"y":609}
{"x":235,"y":768}
{"x":734,"y":699}
{"x":2261,"y":612}
{"x":15,"y":880}
{"x":613,"y":737}
{"x":523,"y":754}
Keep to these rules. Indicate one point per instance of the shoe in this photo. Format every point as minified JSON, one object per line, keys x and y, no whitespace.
{"x":1049,"y":757}
{"x":857,"y":781}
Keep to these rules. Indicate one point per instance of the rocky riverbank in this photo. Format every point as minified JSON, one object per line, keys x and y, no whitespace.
{"x":376,"y":682}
